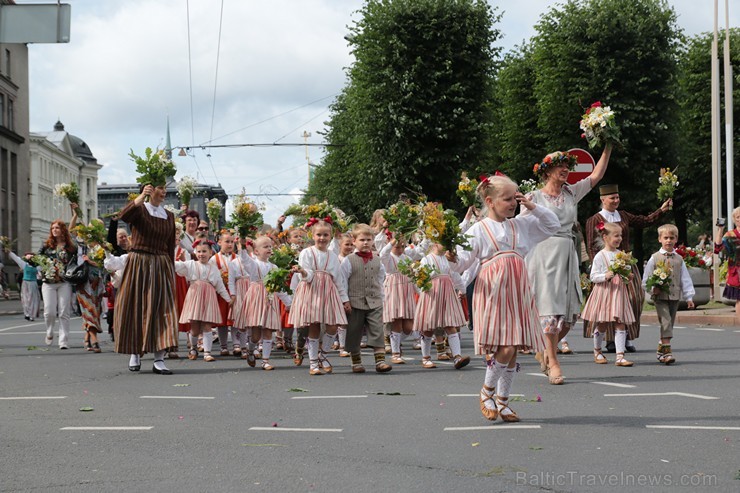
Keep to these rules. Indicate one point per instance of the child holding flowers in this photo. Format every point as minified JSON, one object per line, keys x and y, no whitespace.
{"x":608,"y":307}
{"x":666,"y":301}
{"x":729,"y":245}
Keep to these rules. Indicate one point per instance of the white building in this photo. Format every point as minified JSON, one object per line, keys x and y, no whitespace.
{"x":59,"y":157}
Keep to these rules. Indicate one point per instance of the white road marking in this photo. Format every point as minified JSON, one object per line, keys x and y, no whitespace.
{"x":32,"y":398}
{"x":652,"y":394}
{"x":679,"y":327}
{"x":21,"y":326}
{"x":712,"y":330}
{"x":330,"y":397}
{"x":478,"y":395}
{"x":106,"y":428}
{"x":277,"y":428}
{"x":493,"y":427}
{"x":35,"y":332}
{"x":174,"y":397}
{"x":678,"y":427}
{"x":614,"y":384}
{"x":537,"y":374}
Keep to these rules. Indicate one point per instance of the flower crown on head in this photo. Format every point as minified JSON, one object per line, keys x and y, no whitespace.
{"x":203,"y":242}
{"x":315,"y":220}
{"x":600,"y":226}
{"x":554,"y":160}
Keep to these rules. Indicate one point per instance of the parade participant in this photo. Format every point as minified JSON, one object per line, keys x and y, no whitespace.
{"x":30,"y":295}
{"x":729,"y":244}
{"x":361,"y":277}
{"x":201,"y":308}
{"x":440,"y":308}
{"x":181,"y":285}
{"x":296,"y":238}
{"x":610,"y":213}
{"x":90,"y":298}
{"x":59,"y":249}
{"x":399,"y":304}
{"x":192,"y":219}
{"x":553,"y":263}
{"x":145,"y":315}
{"x":221,"y":260}
{"x":608,"y":307}
{"x":346,"y":248}
{"x":504,"y":309}
{"x":239,"y":285}
{"x":681,"y":287}
{"x":317,"y":300}
{"x":261,"y":310}
{"x":117,"y":237}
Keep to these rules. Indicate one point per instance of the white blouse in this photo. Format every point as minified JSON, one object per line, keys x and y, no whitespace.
{"x":600,"y":265}
{"x":193,"y":270}
{"x":443,"y":267}
{"x":257,"y":270}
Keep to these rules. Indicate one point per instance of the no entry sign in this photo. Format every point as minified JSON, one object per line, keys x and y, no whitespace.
{"x":584,"y":167}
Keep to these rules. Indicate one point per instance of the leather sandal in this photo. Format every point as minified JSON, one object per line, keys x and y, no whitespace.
{"x":193,"y":354}
{"x":599,"y":358}
{"x":489,"y":413}
{"x":554,"y":379}
{"x":428,"y":363}
{"x":510,"y":417}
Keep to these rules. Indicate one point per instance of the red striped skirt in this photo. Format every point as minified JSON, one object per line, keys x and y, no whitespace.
{"x":438,"y":307}
{"x":399,"y":298}
{"x":317,"y":302}
{"x":201,"y":304}
{"x":504,"y":312}
{"x":239,"y":308}
{"x":609,"y":302}
{"x":262,"y":310}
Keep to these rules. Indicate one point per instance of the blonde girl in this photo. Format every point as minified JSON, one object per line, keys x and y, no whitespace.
{"x":399,"y":305}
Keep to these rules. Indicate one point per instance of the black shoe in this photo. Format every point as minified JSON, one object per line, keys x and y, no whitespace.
{"x":610,"y":348}
{"x":160,"y":372}
{"x":631,"y":349}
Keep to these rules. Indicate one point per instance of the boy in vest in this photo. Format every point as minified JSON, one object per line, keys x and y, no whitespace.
{"x":666,"y":303}
{"x":361,"y":275}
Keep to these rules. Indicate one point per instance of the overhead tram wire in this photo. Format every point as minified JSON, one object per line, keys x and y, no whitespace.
{"x":215,"y":86}
{"x":270,"y":176}
{"x":302,"y":125}
{"x":190,"y":77}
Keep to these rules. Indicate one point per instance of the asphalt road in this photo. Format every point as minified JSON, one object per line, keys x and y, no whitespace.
{"x":226,"y":427}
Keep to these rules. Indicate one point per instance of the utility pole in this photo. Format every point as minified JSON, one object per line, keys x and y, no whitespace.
{"x":305,"y":136}
{"x":716,"y":186}
{"x":729,"y":147}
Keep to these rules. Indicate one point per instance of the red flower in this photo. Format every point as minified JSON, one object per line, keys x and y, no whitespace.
{"x":597,"y":104}
{"x":547,"y":160}
{"x":583,"y":136}
{"x":600,"y":226}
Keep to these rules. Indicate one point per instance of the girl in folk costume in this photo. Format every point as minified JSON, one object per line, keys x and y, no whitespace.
{"x":239,"y":286}
{"x":181,"y":284}
{"x":608,"y":305}
{"x":399,"y":305}
{"x":440,"y":308}
{"x":201,"y":308}
{"x":222,"y":259}
{"x":346,"y":247}
{"x":262,"y":312}
{"x":317,"y":299}
{"x":30,"y":295}
{"x":296,"y":238}
{"x":505,"y":315}
{"x":729,"y":245}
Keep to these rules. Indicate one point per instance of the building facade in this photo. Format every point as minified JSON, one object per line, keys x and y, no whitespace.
{"x":14,"y":144}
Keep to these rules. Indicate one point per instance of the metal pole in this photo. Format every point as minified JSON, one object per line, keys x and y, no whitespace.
{"x":729,"y":147}
{"x":716,"y":200}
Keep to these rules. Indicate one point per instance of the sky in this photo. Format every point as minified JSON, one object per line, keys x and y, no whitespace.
{"x":261,"y":72}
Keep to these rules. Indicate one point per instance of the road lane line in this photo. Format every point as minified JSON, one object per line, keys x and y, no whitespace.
{"x":32,"y":398}
{"x":614,"y":384}
{"x":106,"y":428}
{"x":493,"y":427}
{"x":478,"y":395}
{"x":174,"y":397}
{"x":537,"y":374}
{"x":329,"y":397}
{"x":276,"y":428}
{"x":653,"y":394}
{"x":678,"y":427}
{"x":710,"y":330}
{"x":21,"y":326}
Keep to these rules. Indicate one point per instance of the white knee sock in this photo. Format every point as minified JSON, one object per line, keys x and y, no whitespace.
{"x":628,"y":343}
{"x":235,"y":337}
{"x":134,"y":360}
{"x":223,"y":337}
{"x":504,"y":383}
{"x":159,"y":360}
{"x":619,"y":339}
{"x":313,"y":349}
{"x":395,"y":343}
{"x":207,"y":341}
{"x":598,"y":339}
{"x":426,"y":346}
{"x":454,"y":341}
{"x":327,"y":342}
{"x":266,"y":348}
{"x":494,"y":369}
{"x":342,"y":333}
{"x":242,"y":338}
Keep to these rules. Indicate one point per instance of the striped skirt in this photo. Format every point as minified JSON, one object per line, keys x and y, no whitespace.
{"x":262,"y":310}
{"x":145,"y":318}
{"x":181,"y":291}
{"x":201,"y":304}
{"x":399,"y":298}
{"x":317,"y":302}
{"x":239,"y":308}
{"x":90,"y":298}
{"x":636,"y":297}
{"x":608,"y":302}
{"x":439,"y":307}
{"x":30,"y":298}
{"x":504,"y":311}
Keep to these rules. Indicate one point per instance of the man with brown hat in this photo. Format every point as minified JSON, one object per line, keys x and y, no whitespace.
{"x":609,"y":195}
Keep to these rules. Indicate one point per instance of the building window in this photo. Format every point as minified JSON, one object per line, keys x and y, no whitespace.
{"x":13,"y":172}
{"x":2,"y":110}
{"x":89,"y":191}
{"x":7,"y":63}
{"x":10,"y":123}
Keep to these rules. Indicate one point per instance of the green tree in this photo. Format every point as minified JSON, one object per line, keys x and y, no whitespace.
{"x":417,"y":107}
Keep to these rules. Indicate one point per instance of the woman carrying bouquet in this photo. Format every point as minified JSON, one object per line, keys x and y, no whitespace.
{"x":729,"y":243}
{"x":90,"y":298}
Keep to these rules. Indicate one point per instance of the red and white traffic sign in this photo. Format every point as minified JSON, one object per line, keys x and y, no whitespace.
{"x":584,"y":167}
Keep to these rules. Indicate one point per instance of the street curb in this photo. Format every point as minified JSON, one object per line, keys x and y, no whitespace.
{"x":697,"y":317}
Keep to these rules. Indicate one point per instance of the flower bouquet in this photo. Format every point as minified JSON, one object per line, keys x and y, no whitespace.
{"x":691,"y":257}
{"x":186,"y":189}
{"x":154,"y":168}
{"x":442,"y":226}
{"x":51,"y":270}
{"x":321,"y":210}
{"x":93,"y":233}
{"x":660,"y":280}
{"x":598,"y":126}
{"x":622,"y":265}
{"x":667,"y":184}
{"x":466,"y":190}
{"x":6,"y":243}
{"x":71,"y":192}
{"x":528,"y":186}
{"x":403,"y":218}
{"x":96,"y":254}
{"x":420,"y":275}
{"x":247,"y":216}
{"x":586,"y":285}
{"x":731,"y":246}
{"x":213,"y":211}
{"x":284,"y":257}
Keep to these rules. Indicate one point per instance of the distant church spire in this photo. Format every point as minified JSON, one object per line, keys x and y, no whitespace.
{"x":168,"y":142}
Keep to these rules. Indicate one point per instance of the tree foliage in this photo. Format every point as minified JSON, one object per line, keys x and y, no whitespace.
{"x":417,"y":106}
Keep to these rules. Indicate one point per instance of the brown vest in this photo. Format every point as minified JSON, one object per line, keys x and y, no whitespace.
{"x":676,"y":263}
{"x":363,"y":289}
